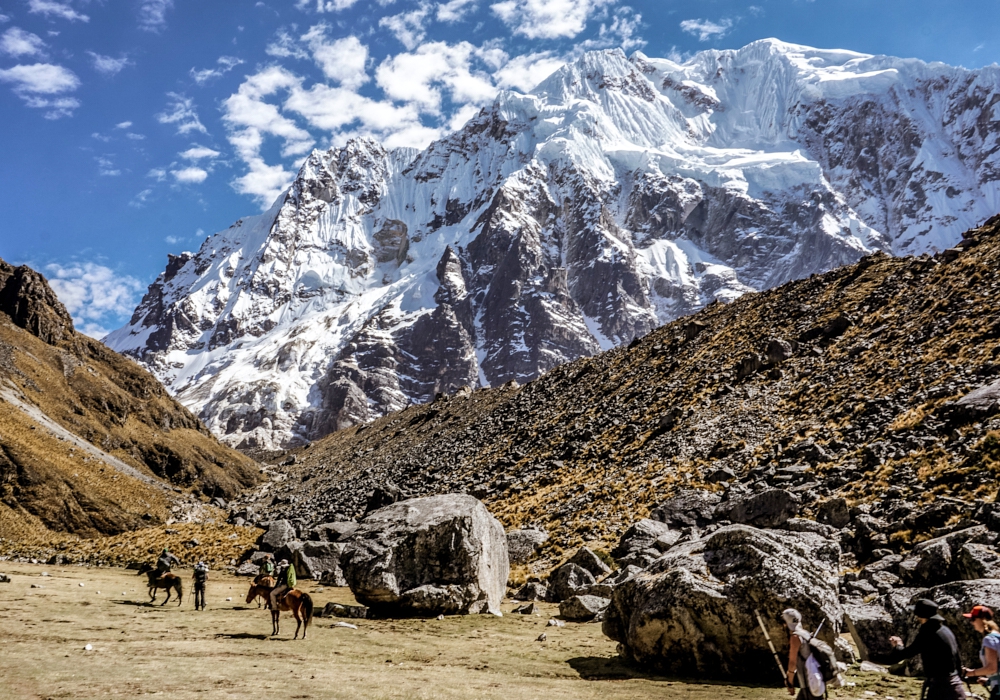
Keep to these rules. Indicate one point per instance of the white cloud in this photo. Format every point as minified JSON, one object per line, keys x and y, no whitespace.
{"x":419,"y":76}
{"x":408,"y":27}
{"x":135,"y":137}
{"x":454,"y":10}
{"x":326,"y":5}
{"x":706,"y":29}
{"x":140,"y":199}
{"x":342,"y":60}
{"x":525,"y":72}
{"x":107,"y":65}
{"x":181,"y":112}
{"x":158,"y":174}
{"x":153,"y":14}
{"x":249,"y":119}
{"x":192,"y":175}
{"x":173,"y":240}
{"x":621,"y":33}
{"x":94,"y":295}
{"x":4,"y":18}
{"x":123,"y":125}
{"x":17,"y":42}
{"x":285,"y":46}
{"x":547,"y":19}
{"x":106,"y":167}
{"x":37,"y":85}
{"x":51,"y":8}
{"x":225,"y":63}
{"x":199,"y":152}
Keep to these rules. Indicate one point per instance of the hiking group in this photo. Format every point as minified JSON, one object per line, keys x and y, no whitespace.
{"x":812,"y":664}
{"x":275,"y":585}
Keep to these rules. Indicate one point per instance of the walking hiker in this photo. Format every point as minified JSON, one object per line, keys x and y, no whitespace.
{"x":938,"y":651}
{"x":200,"y":579}
{"x":285,"y":582}
{"x":988,"y":674}
{"x":165,"y":562}
{"x":266,"y":567}
{"x":799,"y":654}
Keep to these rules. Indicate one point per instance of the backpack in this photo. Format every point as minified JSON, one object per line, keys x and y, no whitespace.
{"x":827,"y":660}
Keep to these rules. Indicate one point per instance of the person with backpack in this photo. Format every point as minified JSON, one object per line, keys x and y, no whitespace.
{"x":981,"y":618}
{"x":801,"y":661}
{"x":938,"y":651}
{"x":200,"y":580}
{"x":286,"y":582}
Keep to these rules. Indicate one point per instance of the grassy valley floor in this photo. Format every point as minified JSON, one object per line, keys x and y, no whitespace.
{"x":225,"y":652}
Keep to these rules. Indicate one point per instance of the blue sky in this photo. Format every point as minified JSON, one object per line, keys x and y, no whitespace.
{"x":130,"y":129}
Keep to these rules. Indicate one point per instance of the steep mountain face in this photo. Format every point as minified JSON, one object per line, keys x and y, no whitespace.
{"x":877,"y":382}
{"x":90,"y":443}
{"x":620,"y":194}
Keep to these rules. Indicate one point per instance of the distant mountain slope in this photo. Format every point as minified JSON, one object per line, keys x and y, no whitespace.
{"x":90,"y":443}
{"x":618,"y":195}
{"x":843,"y":384}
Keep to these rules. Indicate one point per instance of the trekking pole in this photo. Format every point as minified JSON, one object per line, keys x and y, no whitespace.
{"x":777,"y":659}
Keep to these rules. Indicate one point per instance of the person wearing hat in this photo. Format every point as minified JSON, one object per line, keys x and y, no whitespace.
{"x":200,"y":581}
{"x":286,"y":581}
{"x":165,"y":562}
{"x":981,"y":618}
{"x":938,"y":651}
{"x":798,"y":654}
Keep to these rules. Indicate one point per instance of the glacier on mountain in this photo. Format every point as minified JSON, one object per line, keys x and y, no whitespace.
{"x":621,"y":193}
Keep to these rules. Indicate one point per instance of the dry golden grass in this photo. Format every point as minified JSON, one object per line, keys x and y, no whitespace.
{"x":225,"y":651}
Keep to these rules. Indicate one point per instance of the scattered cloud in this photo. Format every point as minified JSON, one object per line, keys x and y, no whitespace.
{"x":409,"y":27}
{"x":40,"y":83}
{"x":106,"y":167}
{"x":4,"y":18}
{"x":326,"y":5}
{"x":158,"y":174}
{"x":342,"y":60}
{"x":755,"y":10}
{"x":96,"y":296}
{"x":153,"y":14}
{"x":525,"y":72}
{"x":181,"y":112}
{"x":548,"y":19}
{"x":225,"y":64}
{"x":199,"y":152}
{"x":286,"y":46}
{"x":19,"y":43}
{"x":60,"y":10}
{"x":173,"y":240}
{"x":139,"y":200}
{"x":419,"y":77}
{"x":107,"y":65}
{"x":622,"y":33}
{"x":123,"y":125}
{"x":192,"y":175}
{"x":454,"y":10}
{"x":706,"y":29}
{"x":135,"y":137}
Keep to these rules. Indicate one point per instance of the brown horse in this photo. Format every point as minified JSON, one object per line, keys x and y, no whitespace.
{"x":263,"y":585}
{"x":299,"y":603}
{"x":168,"y":581}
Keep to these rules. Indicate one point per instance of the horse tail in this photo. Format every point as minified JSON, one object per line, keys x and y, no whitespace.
{"x":307,"y":608}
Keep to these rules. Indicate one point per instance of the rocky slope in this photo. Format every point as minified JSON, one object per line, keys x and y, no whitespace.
{"x":620,"y":194}
{"x":90,"y":443}
{"x":858,"y":384}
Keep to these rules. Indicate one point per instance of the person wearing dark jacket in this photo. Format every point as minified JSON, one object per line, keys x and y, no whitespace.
{"x":938,"y":651}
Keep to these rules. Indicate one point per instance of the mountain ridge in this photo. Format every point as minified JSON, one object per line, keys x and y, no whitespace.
{"x":620,"y":194}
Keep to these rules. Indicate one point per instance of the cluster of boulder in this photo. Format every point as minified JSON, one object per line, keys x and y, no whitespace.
{"x":314,"y":552}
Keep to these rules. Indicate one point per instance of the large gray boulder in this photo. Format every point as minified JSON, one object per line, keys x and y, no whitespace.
{"x":586,"y":558}
{"x":333,"y":532}
{"x":320,"y":560}
{"x":276,"y":534}
{"x":436,"y":555}
{"x":523,"y":544}
{"x":976,"y":405}
{"x":580,"y":608}
{"x":935,"y":561}
{"x":692,"y":613}
{"x":688,"y":508}
{"x":974,"y":561}
{"x":870,"y":626}
{"x":771,"y":508}
{"x":565,"y":581}
{"x":642,"y":538}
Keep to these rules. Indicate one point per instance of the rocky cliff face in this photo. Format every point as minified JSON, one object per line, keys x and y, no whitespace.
{"x":90,"y":443}
{"x":618,"y":195}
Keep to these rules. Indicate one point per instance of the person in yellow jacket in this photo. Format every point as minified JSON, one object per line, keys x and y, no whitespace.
{"x":286,"y":582}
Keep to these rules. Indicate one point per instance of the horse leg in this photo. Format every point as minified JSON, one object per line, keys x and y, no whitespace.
{"x":180,"y":594}
{"x":274,"y":622}
{"x":167,"y":598}
{"x":298,"y":620}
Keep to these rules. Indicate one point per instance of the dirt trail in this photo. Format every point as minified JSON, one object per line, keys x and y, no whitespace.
{"x":225,"y":652}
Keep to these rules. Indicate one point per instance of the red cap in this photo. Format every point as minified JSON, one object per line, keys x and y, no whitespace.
{"x":979,"y":612}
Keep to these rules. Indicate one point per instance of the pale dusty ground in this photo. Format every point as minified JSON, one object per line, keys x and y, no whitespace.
{"x":225,"y":652}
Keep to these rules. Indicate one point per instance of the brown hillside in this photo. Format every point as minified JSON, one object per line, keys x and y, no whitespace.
{"x":860,"y":407}
{"x":90,"y":443}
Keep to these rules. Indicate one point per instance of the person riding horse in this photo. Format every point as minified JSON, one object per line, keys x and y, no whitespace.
{"x":285,"y":577}
{"x":165,"y":562}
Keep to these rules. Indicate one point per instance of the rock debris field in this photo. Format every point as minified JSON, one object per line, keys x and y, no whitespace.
{"x":224,"y":652}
